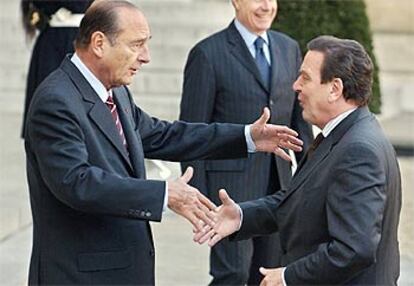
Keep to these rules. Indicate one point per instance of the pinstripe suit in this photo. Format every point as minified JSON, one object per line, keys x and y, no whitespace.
{"x":222,"y":84}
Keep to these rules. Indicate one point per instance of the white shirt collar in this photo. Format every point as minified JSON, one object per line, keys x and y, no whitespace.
{"x":335,"y":122}
{"x":249,"y":39}
{"x":248,"y":36}
{"x":96,"y":84}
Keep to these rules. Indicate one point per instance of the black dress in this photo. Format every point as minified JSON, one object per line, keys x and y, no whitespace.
{"x":51,"y":46}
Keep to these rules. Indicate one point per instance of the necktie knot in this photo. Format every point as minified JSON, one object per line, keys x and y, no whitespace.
{"x":316,"y":142}
{"x":110,"y":100}
{"x":258,"y":43}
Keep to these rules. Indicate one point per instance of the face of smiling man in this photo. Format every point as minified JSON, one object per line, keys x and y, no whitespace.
{"x":256,"y":15}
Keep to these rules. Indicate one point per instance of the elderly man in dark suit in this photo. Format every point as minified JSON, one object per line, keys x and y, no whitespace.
{"x":85,"y":147}
{"x":230,"y":77}
{"x":338,"y":221}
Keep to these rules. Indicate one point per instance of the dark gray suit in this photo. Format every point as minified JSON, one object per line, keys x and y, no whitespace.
{"x":338,"y":221}
{"x":90,"y":201}
{"x":222,"y":84}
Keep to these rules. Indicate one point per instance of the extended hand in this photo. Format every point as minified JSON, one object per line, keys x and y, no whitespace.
{"x":188,"y":202}
{"x":227,"y":219}
{"x":272,"y":276}
{"x":272,"y":138}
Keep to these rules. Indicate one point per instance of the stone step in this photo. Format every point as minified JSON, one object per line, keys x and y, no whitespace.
{"x":153,"y":82}
{"x":186,"y":12}
{"x":163,"y":106}
{"x":181,"y":35}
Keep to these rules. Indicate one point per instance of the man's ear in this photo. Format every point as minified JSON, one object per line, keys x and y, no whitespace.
{"x":336,"y":90}
{"x":98,"y":42}
{"x":236,"y":4}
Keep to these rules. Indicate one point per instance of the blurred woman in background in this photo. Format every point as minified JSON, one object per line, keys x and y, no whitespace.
{"x":56,"y":23}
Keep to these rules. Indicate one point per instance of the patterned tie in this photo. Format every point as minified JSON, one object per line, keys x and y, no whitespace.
{"x":112,"y":107}
{"x":261,"y":61}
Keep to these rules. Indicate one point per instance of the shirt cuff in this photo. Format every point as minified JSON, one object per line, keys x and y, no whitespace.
{"x":251,"y":147}
{"x":241,"y":216}
{"x":283,"y":276}
{"x":165,"y":205}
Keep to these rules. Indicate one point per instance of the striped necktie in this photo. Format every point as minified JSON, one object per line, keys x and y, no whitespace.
{"x":112,"y":107}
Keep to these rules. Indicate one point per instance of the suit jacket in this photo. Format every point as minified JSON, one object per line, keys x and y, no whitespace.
{"x":90,"y":201}
{"x":222,"y":84}
{"x":338,"y":221}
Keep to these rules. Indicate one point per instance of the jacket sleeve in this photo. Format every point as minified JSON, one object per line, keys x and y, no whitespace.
{"x":57,"y":151}
{"x":197,"y":103}
{"x":355,"y":207}
{"x":259,"y":216}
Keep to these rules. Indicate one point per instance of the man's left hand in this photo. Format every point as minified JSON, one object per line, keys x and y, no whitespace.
{"x":272,"y":276}
{"x":272,"y":138}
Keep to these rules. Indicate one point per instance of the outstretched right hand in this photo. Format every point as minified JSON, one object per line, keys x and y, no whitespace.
{"x":188,"y":202}
{"x":227,"y":218}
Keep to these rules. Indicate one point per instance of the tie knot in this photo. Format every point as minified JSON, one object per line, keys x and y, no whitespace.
{"x":258,"y":43}
{"x":317,"y":141}
{"x":110,"y":100}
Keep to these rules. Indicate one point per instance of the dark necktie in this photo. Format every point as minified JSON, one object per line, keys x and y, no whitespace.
{"x":314,"y":145}
{"x":316,"y":142}
{"x":112,"y":107}
{"x":261,"y":61}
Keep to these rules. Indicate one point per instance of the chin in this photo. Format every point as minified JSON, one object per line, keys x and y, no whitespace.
{"x":127,"y":81}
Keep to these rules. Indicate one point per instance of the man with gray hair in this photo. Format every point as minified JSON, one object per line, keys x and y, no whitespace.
{"x":85,"y":146}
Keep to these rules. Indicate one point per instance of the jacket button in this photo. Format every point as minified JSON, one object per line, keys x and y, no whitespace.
{"x":148,"y":214}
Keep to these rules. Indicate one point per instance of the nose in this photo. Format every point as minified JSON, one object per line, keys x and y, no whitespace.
{"x":296,"y":85}
{"x":144,"y":56}
{"x":266,"y":4}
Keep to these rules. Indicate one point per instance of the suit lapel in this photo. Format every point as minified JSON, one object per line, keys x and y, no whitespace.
{"x":278,"y":65}
{"x":240,"y":51}
{"x":132,"y":137}
{"x":98,"y":111}
{"x":102,"y":117}
{"x":307,"y":169}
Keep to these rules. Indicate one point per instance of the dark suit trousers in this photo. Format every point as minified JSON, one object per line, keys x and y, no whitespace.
{"x":238,"y":262}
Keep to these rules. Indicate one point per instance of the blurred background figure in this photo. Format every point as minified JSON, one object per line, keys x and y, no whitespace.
{"x":55,"y":22}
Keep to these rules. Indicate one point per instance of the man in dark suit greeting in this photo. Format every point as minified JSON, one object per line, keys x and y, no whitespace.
{"x":85,"y":147}
{"x":338,"y":221}
{"x":230,"y":77}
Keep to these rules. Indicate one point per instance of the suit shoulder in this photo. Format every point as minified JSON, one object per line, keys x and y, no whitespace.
{"x":211,"y":42}
{"x":283,"y":38}
{"x":55,"y":83}
{"x":54,"y":90}
{"x":366,"y":134}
